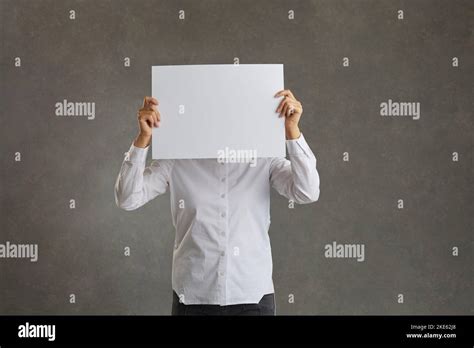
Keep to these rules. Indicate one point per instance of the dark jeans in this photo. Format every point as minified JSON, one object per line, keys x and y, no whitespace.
{"x":266,"y":306}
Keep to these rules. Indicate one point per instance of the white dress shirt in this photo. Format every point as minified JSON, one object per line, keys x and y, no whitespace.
{"x":221,"y":213}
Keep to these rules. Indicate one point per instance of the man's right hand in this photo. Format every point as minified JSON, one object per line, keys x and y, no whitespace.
{"x":148,"y":117}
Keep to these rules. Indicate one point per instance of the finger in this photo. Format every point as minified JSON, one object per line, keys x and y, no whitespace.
{"x":298,"y":108}
{"x":291,"y":110}
{"x":280,"y":106}
{"x":158,"y":116}
{"x":144,"y":111}
{"x":155,"y":109}
{"x":286,"y":105}
{"x":285,"y":92}
{"x":148,"y":101}
{"x":278,"y":94}
{"x":295,"y":105}
{"x":285,"y":101}
{"x":290,"y":107}
{"x":146,"y":115}
{"x":155,"y":118}
{"x":284,"y":112}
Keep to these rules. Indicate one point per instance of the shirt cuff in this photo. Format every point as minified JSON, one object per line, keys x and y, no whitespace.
{"x":137,"y":154}
{"x":298,"y":146}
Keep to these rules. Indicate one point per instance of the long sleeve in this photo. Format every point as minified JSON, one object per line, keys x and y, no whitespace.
{"x":297,"y":178}
{"x":137,"y":185}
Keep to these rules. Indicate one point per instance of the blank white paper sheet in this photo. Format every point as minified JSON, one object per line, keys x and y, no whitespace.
{"x":206,"y":109}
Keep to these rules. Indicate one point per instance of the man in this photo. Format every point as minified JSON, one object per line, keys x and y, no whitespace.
{"x":222,"y":262}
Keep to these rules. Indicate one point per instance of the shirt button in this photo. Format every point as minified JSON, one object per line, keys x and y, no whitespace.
{"x":223,"y":195}
{"x":223,"y":214}
{"x":223,"y":179}
{"x":221,"y":273}
{"x":223,"y":253}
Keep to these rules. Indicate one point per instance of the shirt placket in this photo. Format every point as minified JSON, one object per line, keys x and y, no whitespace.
{"x":224,"y":231}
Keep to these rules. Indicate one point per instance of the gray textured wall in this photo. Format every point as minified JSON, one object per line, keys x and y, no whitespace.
{"x":408,"y":251}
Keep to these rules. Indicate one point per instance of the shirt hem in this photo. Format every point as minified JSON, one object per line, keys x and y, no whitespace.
{"x":213,"y":299}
